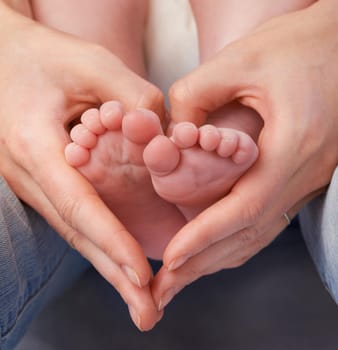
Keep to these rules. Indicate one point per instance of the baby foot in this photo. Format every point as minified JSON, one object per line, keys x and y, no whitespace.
{"x":196,"y":167}
{"x":107,"y":149}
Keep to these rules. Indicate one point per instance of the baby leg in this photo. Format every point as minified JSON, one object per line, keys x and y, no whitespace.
{"x":118,"y":25}
{"x":221,"y":22}
{"x":21,"y":6}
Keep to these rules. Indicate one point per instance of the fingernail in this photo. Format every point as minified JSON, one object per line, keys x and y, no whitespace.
{"x":166,"y":298}
{"x":132,"y":275}
{"x":176,"y":263}
{"x":135,"y":317}
{"x":160,"y":316}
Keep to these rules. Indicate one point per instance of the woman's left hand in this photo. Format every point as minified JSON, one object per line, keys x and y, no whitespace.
{"x":287,"y":70}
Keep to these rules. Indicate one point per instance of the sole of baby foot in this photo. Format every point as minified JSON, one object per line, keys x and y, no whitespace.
{"x":107,"y":149}
{"x":196,"y":167}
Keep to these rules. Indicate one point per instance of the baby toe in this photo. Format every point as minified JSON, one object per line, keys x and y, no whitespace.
{"x":91,"y":119}
{"x":209,"y":137}
{"x":76,"y":155}
{"x":83,"y":137}
{"x":161,"y":156}
{"x":111,"y":114}
{"x":185,"y":134}
{"x":247,"y":150}
{"x":228,"y":143}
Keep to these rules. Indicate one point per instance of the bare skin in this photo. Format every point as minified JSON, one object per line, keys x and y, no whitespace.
{"x":116,"y":25}
{"x":130,"y":64}
{"x":191,"y":170}
{"x":114,"y":164}
{"x":197,"y":166}
{"x":50,"y":77}
{"x":201,"y":174}
{"x":237,"y":227}
{"x":108,"y":149}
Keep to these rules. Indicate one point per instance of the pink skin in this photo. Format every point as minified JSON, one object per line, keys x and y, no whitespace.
{"x":107,"y":149}
{"x":198,"y":166}
{"x":194,"y":168}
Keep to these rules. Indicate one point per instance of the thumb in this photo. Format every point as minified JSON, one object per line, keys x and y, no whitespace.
{"x":212,"y":85}
{"x":112,"y":79}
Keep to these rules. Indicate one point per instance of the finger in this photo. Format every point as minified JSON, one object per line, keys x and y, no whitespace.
{"x":258,"y":190}
{"x":139,"y":300}
{"x":231,"y":252}
{"x":248,"y":232}
{"x":84,"y":211}
{"x":115,"y":81}
{"x":237,"y":249}
{"x":228,"y":253}
{"x":141,"y":305}
{"x":78,"y":205}
{"x":213,"y":84}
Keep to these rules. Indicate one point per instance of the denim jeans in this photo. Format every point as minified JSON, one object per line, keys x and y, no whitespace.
{"x":37,"y":265}
{"x":319,"y":223}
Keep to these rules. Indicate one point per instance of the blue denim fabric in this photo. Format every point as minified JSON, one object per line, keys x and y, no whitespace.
{"x":319,"y":223}
{"x":35,"y":266}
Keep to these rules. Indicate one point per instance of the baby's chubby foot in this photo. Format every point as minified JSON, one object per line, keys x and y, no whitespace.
{"x":107,"y":149}
{"x":197,"y":166}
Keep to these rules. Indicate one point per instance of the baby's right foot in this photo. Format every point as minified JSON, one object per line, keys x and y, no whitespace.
{"x":108,"y":150}
{"x":196,"y":167}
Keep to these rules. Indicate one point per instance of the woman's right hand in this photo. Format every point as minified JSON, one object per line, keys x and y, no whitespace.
{"x":47,"y":79}
{"x":287,"y":71}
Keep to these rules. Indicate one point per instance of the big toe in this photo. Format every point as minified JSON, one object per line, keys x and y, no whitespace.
{"x":161,"y":156}
{"x":141,"y":126}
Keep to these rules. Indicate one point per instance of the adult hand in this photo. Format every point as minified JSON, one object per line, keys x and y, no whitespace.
{"x":287,"y":71}
{"x":47,"y":79}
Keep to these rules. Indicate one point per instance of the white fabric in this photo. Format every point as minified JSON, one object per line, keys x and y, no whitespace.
{"x":170,"y":41}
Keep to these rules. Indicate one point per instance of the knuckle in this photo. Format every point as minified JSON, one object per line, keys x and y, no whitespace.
{"x":108,"y":249}
{"x":255,"y":242}
{"x":69,"y":210}
{"x":248,"y":236}
{"x":253,"y":208}
{"x":153,"y":99}
{"x":244,"y":237}
{"x":253,"y":212}
{"x":180,"y":92}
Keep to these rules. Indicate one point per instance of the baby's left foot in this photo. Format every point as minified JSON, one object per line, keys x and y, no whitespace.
{"x":196,"y":167}
{"x":107,"y":149}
